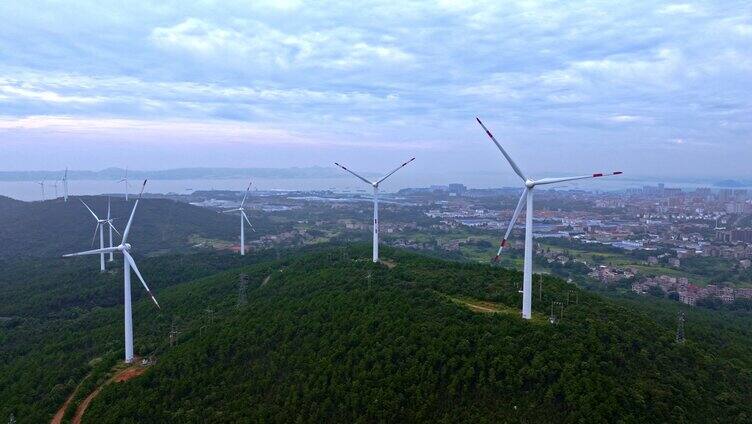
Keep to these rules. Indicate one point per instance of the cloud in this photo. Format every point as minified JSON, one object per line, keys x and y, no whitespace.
{"x":255,"y":42}
{"x":561,"y":76}
{"x":45,"y":95}
{"x":182,"y":132}
{"x":626,"y":118}
{"x":679,"y":9}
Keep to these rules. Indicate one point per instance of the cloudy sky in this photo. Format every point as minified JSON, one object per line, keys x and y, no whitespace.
{"x":653,"y":89}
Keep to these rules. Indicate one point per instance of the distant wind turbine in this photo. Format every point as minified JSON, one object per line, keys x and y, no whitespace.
{"x":41,"y":184}
{"x":527,"y":193}
{"x":375,"y":185}
{"x":100,"y":228}
{"x":128,"y":264}
{"x":65,"y":184}
{"x":111,"y":227}
{"x":243,"y":216}
{"x":125,"y":180}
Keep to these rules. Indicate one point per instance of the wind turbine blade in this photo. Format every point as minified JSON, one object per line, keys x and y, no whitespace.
{"x":230,"y":210}
{"x":94,"y":238}
{"x":113,"y":227}
{"x":246,"y":194}
{"x":503,"y":152}
{"x":396,"y":169}
{"x":544,"y":181}
{"x":133,"y":212}
{"x":515,"y":215}
{"x":93,"y":252}
{"x":108,"y":209}
{"x":358,"y":176}
{"x":248,"y":221}
{"x":92,"y":212}
{"x":130,"y":260}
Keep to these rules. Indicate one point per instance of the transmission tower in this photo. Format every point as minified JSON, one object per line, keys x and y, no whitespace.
{"x":208,"y":320}
{"x":242,"y":290}
{"x":553,"y":318}
{"x":174,"y":332}
{"x":680,"y":327}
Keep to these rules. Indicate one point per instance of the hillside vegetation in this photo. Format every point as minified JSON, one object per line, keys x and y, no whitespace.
{"x":327,"y":336}
{"x":53,"y":227}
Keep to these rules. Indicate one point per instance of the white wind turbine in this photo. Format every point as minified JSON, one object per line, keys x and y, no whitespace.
{"x":375,"y":185}
{"x":65,"y":184}
{"x":128,"y":263}
{"x":243,"y":216}
{"x":125,"y":180}
{"x":41,"y":184}
{"x":100,"y":228}
{"x":527,"y":193}
{"x":111,"y":227}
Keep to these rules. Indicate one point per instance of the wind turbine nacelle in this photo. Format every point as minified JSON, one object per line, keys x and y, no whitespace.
{"x":529,"y":183}
{"x":127,"y":246}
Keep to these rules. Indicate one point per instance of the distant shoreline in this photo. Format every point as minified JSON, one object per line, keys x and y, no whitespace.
{"x":173,"y":174}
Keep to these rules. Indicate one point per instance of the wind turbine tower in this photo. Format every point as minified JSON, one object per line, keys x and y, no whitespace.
{"x":65,"y":184}
{"x":111,"y":227}
{"x":527,"y":194}
{"x":41,"y":184}
{"x":375,"y":185}
{"x":100,"y":228}
{"x":125,"y":181}
{"x":243,"y":217}
{"x":128,"y":264}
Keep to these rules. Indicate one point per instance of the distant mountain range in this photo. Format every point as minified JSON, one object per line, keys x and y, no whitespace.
{"x":732,"y":184}
{"x":174,"y":174}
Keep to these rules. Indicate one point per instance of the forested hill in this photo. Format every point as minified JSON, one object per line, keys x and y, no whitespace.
{"x":330,"y":337}
{"x":7,"y":204}
{"x":54,"y":227}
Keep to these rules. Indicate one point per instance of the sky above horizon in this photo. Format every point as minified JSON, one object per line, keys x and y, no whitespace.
{"x":649,"y":88}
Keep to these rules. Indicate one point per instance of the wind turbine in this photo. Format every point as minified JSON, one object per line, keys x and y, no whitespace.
{"x":111,"y":227}
{"x":41,"y":184}
{"x":54,"y":184}
{"x":375,"y":185}
{"x":128,"y":263}
{"x":65,"y":184}
{"x":125,"y":180}
{"x":100,"y":228}
{"x":527,"y":193}
{"x":243,"y":216}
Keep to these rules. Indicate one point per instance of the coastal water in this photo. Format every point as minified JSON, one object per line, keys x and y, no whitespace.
{"x":31,"y":190}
